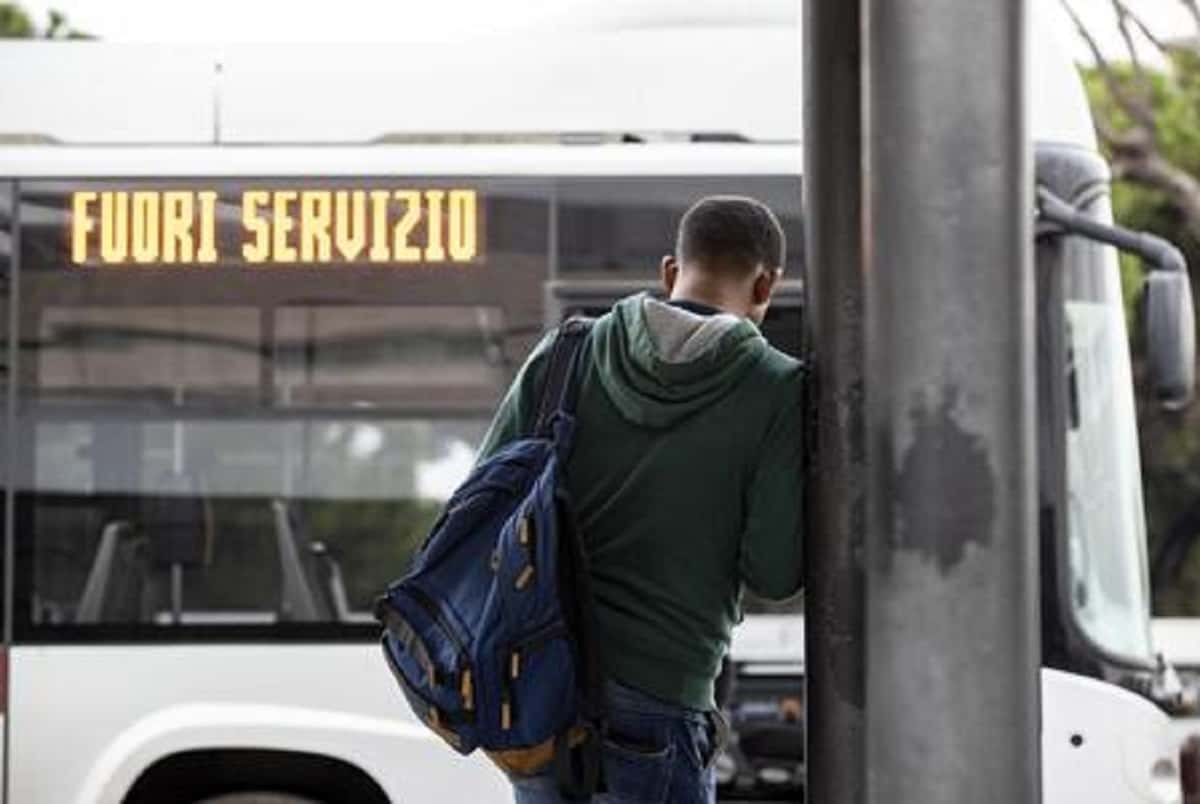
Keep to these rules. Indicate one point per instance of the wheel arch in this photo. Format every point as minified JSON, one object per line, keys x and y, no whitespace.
{"x":196,"y":774}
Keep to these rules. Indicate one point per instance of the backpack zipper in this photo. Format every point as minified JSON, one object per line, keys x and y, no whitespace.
{"x":453,"y":507}
{"x":526,"y":537}
{"x":466,"y":685}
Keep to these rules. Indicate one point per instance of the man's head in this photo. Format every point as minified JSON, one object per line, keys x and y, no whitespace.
{"x":729,"y":253}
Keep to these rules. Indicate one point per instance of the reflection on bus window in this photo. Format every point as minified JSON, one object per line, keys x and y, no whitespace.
{"x":1106,"y":529}
{"x":233,"y":444}
{"x":214,"y":521}
{"x":170,"y":353}
{"x":168,"y":492}
{"x":388,"y":355}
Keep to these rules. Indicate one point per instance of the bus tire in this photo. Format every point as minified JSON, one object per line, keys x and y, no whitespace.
{"x":254,"y":776}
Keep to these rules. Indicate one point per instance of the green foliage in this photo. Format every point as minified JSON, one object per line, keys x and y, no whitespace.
{"x":1170,"y":442}
{"x":373,"y":541}
{"x":16,"y":23}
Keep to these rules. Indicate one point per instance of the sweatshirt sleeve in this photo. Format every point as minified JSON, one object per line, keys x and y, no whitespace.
{"x":771,"y":544}
{"x":515,"y":416}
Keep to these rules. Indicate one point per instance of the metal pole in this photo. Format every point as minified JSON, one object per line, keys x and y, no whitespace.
{"x":836,"y":480}
{"x":952,"y":628}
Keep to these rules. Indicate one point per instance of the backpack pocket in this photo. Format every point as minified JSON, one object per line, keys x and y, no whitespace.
{"x":537,"y":686}
{"x":527,"y":563}
{"x":461,"y":519}
{"x":428,"y":656}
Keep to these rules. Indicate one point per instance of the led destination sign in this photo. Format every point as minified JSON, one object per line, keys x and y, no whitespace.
{"x":298,"y":226}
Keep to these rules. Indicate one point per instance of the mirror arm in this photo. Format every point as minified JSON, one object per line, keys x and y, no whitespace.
{"x":1154,"y":250}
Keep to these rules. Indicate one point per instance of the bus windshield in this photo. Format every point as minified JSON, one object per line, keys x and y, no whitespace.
{"x":1108,"y":585}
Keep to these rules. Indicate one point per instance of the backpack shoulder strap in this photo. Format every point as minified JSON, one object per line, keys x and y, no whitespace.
{"x":560,"y":390}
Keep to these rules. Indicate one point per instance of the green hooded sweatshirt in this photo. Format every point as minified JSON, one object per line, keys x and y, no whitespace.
{"x":685,"y":475}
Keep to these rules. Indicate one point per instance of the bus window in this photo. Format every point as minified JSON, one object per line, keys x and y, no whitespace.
{"x":249,"y":445}
{"x":243,"y":402}
{"x":619,"y":228}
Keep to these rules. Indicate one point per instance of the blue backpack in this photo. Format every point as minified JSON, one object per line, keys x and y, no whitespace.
{"x":490,"y":634}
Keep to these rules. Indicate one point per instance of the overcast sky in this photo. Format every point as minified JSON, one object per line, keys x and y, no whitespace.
{"x":394,"y":20}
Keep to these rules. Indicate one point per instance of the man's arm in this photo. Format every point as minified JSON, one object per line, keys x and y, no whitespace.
{"x":771,"y":547}
{"x":515,"y":416}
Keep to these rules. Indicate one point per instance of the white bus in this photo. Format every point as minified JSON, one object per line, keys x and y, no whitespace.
{"x":259,"y":305}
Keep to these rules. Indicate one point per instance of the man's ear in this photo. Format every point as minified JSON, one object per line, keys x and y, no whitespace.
{"x":668,"y":272}
{"x":764,"y":284}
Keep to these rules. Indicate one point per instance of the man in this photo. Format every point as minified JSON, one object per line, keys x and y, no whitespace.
{"x":685,"y":475}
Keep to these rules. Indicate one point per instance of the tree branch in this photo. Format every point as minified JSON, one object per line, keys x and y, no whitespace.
{"x":1138,"y":108}
{"x":1193,"y":8}
{"x":1153,"y":171}
{"x":1132,"y":143}
{"x":1124,"y":12}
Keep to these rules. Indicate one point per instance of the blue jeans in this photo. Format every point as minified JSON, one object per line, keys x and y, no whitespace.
{"x":655,"y":752}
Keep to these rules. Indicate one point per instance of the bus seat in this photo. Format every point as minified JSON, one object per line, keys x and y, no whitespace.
{"x":335,"y":585}
{"x":178,"y":524}
{"x":96,"y":591}
{"x":301,"y":598}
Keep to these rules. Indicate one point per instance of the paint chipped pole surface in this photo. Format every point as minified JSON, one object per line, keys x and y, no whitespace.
{"x":950,"y":630}
{"x":952,"y":620}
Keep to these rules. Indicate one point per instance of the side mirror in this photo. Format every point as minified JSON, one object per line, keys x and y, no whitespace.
{"x":1169,"y":318}
{"x":1170,"y":325}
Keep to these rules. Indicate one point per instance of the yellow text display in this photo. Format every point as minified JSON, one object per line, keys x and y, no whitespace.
{"x":279,"y":226}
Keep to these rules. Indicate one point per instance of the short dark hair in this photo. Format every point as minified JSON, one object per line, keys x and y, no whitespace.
{"x":730,"y":231}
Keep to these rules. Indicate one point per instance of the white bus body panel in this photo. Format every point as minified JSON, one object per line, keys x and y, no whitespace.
{"x":642,"y":79}
{"x":539,"y":83}
{"x":400,"y":160}
{"x":93,"y":93}
{"x":1104,"y":745}
{"x":91,"y":719}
